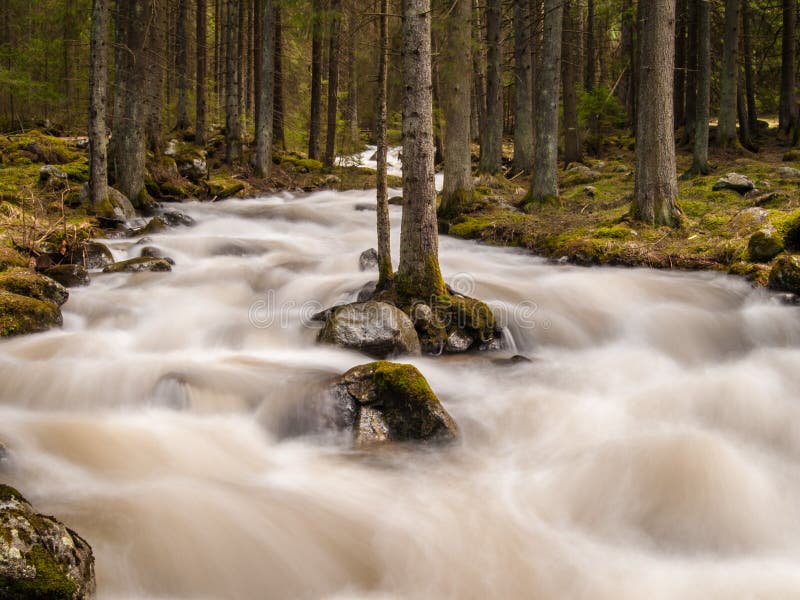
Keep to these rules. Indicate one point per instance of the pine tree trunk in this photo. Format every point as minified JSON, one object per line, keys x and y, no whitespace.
{"x":202,"y":68}
{"x":726,"y":132}
{"x":128,"y":148}
{"x":479,"y":84}
{"x":492,"y":139}
{"x":679,"y":84}
{"x":154,"y":57}
{"x":333,"y":83}
{"x":418,"y":275}
{"x":315,"y":127}
{"x":351,"y":134}
{"x":787,"y":111}
{"x":702,"y":113}
{"x":182,"y":64}
{"x":544,"y":184}
{"x":741,"y":112}
{"x":591,"y":56}
{"x":625,"y":88}
{"x":233,"y":135}
{"x":569,"y":65}
{"x":263,"y":157}
{"x":749,"y":83}
{"x":523,"y":111}
{"x":385,"y":272}
{"x":656,"y":187}
{"x":98,"y":82}
{"x":456,"y":74}
{"x":278,"y":133}
{"x":690,"y":104}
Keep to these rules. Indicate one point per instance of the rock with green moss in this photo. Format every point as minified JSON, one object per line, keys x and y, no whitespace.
{"x":34,"y":285}
{"x":736,"y":182}
{"x":785,"y":275}
{"x":117,"y":208}
{"x":68,"y":275}
{"x":21,"y":315}
{"x":139,"y":265}
{"x":764,"y":245}
{"x":40,"y":558}
{"x":384,"y":402}
{"x":788,"y":173}
{"x":10,"y":259}
{"x":377,"y":329}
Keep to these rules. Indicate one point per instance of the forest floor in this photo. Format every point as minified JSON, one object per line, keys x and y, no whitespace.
{"x":589,"y":225}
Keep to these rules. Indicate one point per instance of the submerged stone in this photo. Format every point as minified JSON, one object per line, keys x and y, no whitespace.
{"x":368,"y":260}
{"x":68,"y":275}
{"x":138,"y":265}
{"x":375,"y":328}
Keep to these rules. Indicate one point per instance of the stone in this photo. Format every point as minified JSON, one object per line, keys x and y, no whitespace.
{"x":396,"y":201}
{"x":20,"y":315}
{"x":68,"y":275}
{"x":40,"y":557}
{"x":788,"y":173}
{"x":154,"y":252}
{"x":34,"y":285}
{"x":366,"y":207}
{"x":748,"y":220}
{"x":736,"y":182}
{"x":377,"y":329}
{"x":368,"y":260}
{"x":118,"y":210}
{"x":785,"y":275}
{"x":459,"y":341}
{"x":139,"y":265}
{"x":384,"y":402}
{"x":590,"y":191}
{"x":195,"y":170}
{"x":764,"y":245}
{"x":174,"y":218}
{"x":49,"y":172}
{"x":367,"y":291}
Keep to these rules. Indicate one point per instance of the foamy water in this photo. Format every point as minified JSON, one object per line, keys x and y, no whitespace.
{"x":650,"y":450}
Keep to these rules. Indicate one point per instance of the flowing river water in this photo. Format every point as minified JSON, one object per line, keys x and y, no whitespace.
{"x":651,"y":449}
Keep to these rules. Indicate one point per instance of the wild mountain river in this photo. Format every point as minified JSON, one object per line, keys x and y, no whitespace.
{"x":651,"y":449}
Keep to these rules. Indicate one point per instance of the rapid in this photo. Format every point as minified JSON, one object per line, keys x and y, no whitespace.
{"x":650,"y":449}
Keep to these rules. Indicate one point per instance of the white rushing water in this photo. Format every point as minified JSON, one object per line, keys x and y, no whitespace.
{"x":651,"y":450}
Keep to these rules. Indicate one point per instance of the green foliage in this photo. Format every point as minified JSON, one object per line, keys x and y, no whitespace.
{"x":604,"y":105}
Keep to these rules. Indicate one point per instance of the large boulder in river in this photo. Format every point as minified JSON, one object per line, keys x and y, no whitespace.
{"x":20,"y":314}
{"x":139,"y":265}
{"x":785,"y":275}
{"x":387,"y":402}
{"x":377,"y":329}
{"x":736,"y":182}
{"x":40,"y":558}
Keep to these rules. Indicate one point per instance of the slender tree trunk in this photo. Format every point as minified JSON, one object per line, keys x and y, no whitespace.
{"x":749,"y":83}
{"x":202,"y":68}
{"x":315,"y":127}
{"x":154,"y":53}
{"x":656,"y":187}
{"x":351,"y":133}
{"x":263,"y":157}
{"x":690,"y":104}
{"x":679,"y":84}
{"x":492,"y":139}
{"x":523,"y":112}
{"x":787,"y":111}
{"x":98,"y":82}
{"x":333,"y":83}
{"x":457,"y":83}
{"x":741,"y":112}
{"x":625,"y":87}
{"x":182,"y":64}
{"x":591,"y":55}
{"x":569,"y":66}
{"x":700,"y":155}
{"x":544,"y":184}
{"x":479,"y":84}
{"x":385,"y":272}
{"x":128,"y":148}
{"x":233,"y":132}
{"x":726,"y":133}
{"x":418,"y":275}
{"x":278,"y":133}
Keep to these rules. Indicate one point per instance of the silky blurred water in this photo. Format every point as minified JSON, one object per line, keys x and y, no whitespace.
{"x":651,"y":449}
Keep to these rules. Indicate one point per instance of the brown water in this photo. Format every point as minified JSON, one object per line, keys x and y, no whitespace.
{"x":652,"y":450}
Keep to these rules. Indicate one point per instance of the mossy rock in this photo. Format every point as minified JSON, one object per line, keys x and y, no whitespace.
{"x":40,"y":559}
{"x":222,"y":189}
{"x":139,"y":265}
{"x":154,"y":225}
{"x":20,"y":315}
{"x":68,"y":275}
{"x":27,"y":283}
{"x":384,"y":402}
{"x":10,"y":259}
{"x":764,"y":245}
{"x":77,"y":171}
{"x":785,"y":275}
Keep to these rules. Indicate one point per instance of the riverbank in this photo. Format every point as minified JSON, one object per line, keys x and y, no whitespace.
{"x":591,"y":224}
